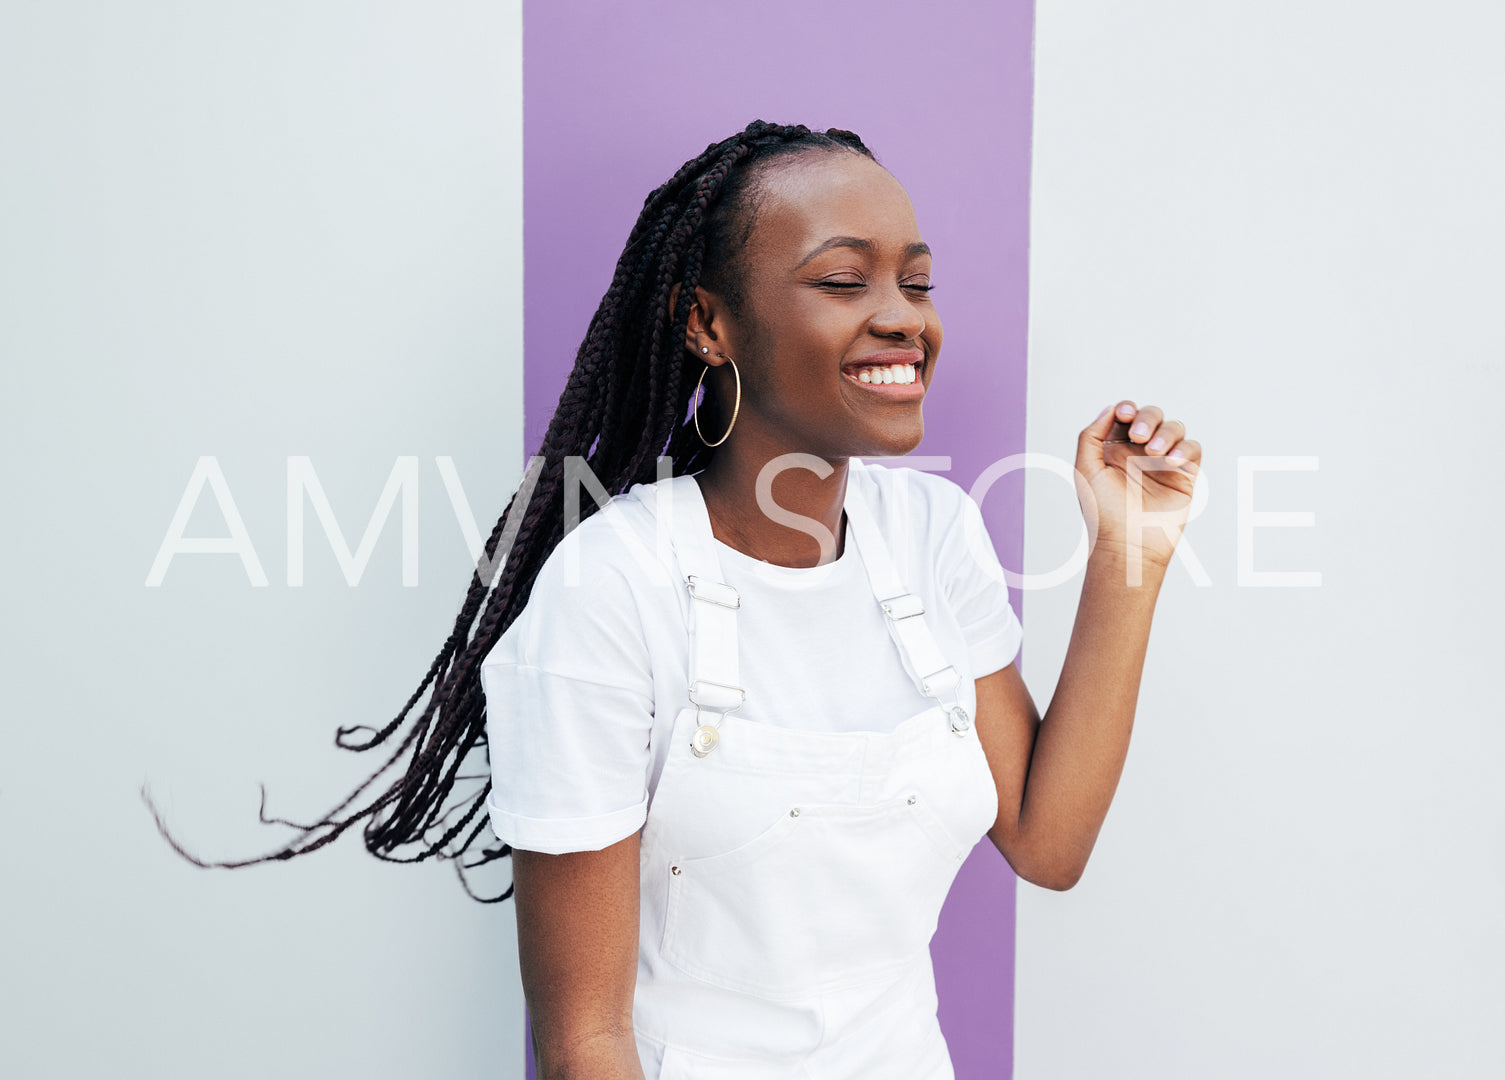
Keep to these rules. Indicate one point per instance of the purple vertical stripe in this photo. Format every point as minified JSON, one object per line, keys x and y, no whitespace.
{"x":616,"y":96}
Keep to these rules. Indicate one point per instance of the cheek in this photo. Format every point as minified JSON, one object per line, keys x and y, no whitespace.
{"x":803,"y":353}
{"x":933,"y":332}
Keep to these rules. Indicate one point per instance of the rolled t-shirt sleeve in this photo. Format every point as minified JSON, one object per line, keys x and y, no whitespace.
{"x":569,"y":710}
{"x":978,"y":591}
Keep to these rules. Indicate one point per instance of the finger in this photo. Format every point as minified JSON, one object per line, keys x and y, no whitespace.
{"x":1106,"y":421}
{"x":1186,"y":452}
{"x":1164,"y":437}
{"x":1097,"y":430}
{"x":1123,"y":413}
{"x":1146,"y":420}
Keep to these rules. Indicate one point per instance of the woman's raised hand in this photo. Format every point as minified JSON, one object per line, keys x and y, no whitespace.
{"x":1132,"y":462}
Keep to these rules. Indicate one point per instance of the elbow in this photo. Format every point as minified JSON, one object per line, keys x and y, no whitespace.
{"x":1057,"y":878}
{"x":1060,"y":882}
{"x":609,"y":1055}
{"x":1043,"y":868}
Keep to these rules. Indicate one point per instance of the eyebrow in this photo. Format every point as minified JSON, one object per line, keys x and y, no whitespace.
{"x":859,"y":244}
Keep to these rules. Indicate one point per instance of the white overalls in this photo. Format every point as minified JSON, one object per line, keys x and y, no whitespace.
{"x":805,"y":870}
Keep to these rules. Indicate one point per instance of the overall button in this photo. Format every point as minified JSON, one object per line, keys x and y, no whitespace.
{"x":704,"y":740}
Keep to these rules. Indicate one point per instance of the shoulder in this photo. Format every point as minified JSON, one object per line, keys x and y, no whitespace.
{"x":618,"y":549}
{"x":904,"y":495}
{"x":597,"y":592}
{"x":940,"y":525}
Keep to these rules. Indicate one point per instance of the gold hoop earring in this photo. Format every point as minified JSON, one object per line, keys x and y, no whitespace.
{"x":736,"y":406}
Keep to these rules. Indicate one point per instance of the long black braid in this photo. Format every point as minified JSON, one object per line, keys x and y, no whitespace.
{"x":624,"y":406}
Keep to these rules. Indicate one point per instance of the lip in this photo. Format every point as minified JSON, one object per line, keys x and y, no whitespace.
{"x":894,"y":391}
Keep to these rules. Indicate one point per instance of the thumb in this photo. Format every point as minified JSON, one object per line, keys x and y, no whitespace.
{"x":1098,"y":430}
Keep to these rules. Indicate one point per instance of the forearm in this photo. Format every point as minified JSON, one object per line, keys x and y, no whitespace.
{"x":1083,"y":738}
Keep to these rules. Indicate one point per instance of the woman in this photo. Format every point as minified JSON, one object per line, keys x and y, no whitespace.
{"x":746,"y":722}
{"x":742,"y":878}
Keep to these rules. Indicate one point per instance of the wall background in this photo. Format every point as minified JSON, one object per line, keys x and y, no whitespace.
{"x":614,"y":103}
{"x":250,"y":231}
{"x":1282,"y":222}
{"x":259,"y":231}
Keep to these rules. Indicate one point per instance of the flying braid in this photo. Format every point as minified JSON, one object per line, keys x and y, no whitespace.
{"x":625,"y":404}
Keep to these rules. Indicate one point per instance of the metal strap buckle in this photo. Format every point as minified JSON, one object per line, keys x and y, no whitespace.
{"x":706,"y":737}
{"x":940,"y":681}
{"x":713,"y":592}
{"x":903,"y":606}
{"x":699,"y":704}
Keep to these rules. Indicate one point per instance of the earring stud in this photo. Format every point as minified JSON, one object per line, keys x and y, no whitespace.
{"x":704,"y":349}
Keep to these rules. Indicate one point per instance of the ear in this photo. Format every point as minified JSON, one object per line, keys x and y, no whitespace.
{"x":707,"y":326}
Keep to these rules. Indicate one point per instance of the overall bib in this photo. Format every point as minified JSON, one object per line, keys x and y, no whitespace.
{"x":804,"y":871}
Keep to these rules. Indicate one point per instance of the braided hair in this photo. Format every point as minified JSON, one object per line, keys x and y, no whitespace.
{"x":626,"y":404}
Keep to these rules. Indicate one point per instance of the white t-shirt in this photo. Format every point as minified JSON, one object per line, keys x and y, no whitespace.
{"x":583,"y":687}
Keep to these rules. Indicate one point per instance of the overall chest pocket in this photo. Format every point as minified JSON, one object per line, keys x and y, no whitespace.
{"x":827,"y":896}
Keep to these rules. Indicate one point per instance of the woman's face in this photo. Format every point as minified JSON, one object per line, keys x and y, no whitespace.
{"x":836,"y":280}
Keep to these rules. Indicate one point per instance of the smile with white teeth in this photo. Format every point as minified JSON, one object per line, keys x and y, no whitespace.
{"x":891,"y":373}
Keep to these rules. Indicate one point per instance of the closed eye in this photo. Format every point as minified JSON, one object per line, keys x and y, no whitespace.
{"x":861,"y":285}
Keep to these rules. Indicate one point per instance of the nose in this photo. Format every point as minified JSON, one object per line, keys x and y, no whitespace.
{"x":897,"y":316}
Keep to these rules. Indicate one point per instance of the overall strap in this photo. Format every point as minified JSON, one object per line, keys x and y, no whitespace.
{"x":715,"y":683}
{"x":903,"y":610}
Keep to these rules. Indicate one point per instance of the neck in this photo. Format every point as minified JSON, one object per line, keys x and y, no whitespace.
{"x":800,"y":523}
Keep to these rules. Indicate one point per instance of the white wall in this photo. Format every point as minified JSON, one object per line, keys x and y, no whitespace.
{"x":253,"y":231}
{"x":1282,"y":223}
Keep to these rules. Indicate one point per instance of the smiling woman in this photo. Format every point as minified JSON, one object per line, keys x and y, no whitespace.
{"x":746,"y":721}
{"x":836,"y":335}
